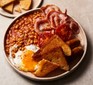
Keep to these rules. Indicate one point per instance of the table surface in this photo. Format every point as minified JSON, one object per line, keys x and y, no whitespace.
{"x":82,"y":11}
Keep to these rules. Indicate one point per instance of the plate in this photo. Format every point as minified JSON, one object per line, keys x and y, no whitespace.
{"x":82,"y":38}
{"x":36,"y":3}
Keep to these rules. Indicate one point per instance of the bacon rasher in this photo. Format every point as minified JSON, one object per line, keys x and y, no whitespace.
{"x":55,"y":22}
{"x":48,"y":8}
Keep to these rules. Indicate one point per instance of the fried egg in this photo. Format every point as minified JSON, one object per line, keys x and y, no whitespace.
{"x":28,"y":64}
{"x":23,"y":59}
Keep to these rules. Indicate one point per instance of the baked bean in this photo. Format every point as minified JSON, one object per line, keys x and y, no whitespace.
{"x":22,"y":32}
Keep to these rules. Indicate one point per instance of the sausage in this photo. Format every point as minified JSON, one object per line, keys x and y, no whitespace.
{"x":73,"y":43}
{"x":77,"y":51}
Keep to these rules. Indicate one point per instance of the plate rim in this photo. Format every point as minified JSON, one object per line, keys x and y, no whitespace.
{"x":6,"y":14}
{"x":47,"y":78}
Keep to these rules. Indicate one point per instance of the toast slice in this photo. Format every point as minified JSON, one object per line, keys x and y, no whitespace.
{"x":44,"y":67}
{"x":9,"y":8}
{"x":57,"y":56}
{"x":25,"y":4}
{"x":5,"y":2}
{"x":18,"y":9}
{"x":54,"y":42}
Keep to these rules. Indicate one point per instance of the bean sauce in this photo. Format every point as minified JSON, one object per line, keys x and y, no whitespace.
{"x":22,"y":32}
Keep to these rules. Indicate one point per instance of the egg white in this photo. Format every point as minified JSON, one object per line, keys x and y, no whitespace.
{"x":17,"y":61}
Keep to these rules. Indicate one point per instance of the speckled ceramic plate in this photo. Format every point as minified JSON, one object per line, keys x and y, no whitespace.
{"x":35,"y":4}
{"x":57,"y":75}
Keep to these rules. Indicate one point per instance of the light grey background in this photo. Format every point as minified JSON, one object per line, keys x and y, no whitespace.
{"x":82,"y":11}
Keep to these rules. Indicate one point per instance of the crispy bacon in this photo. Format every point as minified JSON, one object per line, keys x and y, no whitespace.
{"x":44,"y":37}
{"x":56,"y":18}
{"x":49,"y":8}
{"x":64,"y":32}
{"x":73,"y":25}
{"x":55,"y":22}
{"x":42,"y":25}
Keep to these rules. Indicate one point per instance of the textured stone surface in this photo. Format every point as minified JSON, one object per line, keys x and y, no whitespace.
{"x":82,"y":11}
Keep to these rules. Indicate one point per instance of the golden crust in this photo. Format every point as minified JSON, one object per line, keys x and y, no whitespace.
{"x":25,"y":4}
{"x":10,"y":5}
{"x":9,"y":8}
{"x":5,"y":2}
{"x":54,"y":42}
{"x":18,"y":9}
{"x":44,"y":67}
{"x":57,"y":56}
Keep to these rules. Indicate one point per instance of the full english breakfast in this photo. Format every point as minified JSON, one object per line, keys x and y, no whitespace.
{"x":43,"y":40}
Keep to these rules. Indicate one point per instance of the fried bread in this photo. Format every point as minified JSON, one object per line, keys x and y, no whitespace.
{"x":25,"y":4}
{"x":5,"y":2}
{"x":44,"y":67}
{"x":54,"y":42}
{"x":9,"y":8}
{"x":18,"y":9}
{"x":57,"y":56}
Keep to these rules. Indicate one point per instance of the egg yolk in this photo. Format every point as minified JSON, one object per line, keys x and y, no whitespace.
{"x":28,"y":63}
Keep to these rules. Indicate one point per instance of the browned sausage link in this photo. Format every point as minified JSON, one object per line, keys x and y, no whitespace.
{"x":73,"y":43}
{"x":77,"y":51}
{"x":76,"y":54}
